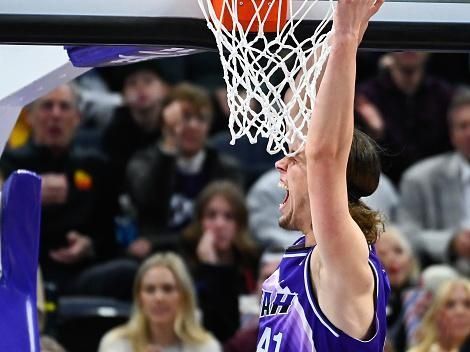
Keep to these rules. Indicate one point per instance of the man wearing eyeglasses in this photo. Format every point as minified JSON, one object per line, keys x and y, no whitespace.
{"x":77,"y":204}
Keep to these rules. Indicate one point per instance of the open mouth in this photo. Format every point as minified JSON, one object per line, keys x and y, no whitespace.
{"x":286,"y":197}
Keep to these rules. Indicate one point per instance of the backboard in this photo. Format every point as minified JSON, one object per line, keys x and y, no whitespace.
{"x":401,"y":24}
{"x":40,"y":29}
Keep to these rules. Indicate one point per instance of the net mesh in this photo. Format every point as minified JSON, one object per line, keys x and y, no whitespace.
{"x":260,"y":68}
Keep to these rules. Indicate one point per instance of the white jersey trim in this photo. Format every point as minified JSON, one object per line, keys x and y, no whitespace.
{"x":332,"y":328}
{"x":377,"y":322}
{"x":294,"y":255}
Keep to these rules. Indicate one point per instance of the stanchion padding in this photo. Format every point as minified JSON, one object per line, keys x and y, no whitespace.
{"x":19,"y":241}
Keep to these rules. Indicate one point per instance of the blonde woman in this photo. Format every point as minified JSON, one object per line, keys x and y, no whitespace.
{"x":446,"y":324}
{"x":164,"y":318}
{"x":400,"y":263}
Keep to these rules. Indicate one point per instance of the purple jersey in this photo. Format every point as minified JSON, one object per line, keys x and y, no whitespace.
{"x":291,"y":319}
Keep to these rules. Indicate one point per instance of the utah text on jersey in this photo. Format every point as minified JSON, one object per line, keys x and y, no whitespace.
{"x":276,"y":303}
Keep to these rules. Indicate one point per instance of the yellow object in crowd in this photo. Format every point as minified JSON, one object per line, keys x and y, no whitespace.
{"x":21,"y":132}
{"x":83,"y":180}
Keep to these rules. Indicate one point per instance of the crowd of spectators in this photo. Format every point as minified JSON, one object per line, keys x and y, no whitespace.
{"x":144,"y":201}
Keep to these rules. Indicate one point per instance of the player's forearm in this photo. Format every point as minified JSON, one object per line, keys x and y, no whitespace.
{"x":300,"y":75}
{"x":331,"y":128}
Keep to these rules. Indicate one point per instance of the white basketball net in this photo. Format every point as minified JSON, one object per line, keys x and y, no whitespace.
{"x":253,"y":61}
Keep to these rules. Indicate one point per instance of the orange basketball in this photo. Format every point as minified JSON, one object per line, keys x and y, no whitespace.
{"x":271,"y":12}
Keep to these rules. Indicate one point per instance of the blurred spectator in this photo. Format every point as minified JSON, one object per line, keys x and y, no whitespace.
{"x":265,"y":196}
{"x":252,"y":157}
{"x":164,"y":317}
{"x":136,"y":125}
{"x":77,"y":211}
{"x":397,"y":257}
{"x":222,"y":256}
{"x":418,"y":299}
{"x":245,"y":338}
{"x":205,"y":70}
{"x":399,"y":105}
{"x":435,"y":195}
{"x":97,"y":104}
{"x":165,"y":179}
{"x":446,"y":324}
{"x":97,"y":101}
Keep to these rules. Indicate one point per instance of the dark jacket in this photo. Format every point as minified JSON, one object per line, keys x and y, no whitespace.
{"x":218,"y":287}
{"x":90,"y":205}
{"x":121,"y":139}
{"x":154,"y":183}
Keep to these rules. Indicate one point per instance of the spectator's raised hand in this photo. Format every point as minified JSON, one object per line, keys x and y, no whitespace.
{"x":206,"y":250}
{"x":370,"y":115}
{"x":173,"y":115}
{"x":54,"y":188}
{"x":79,"y":247}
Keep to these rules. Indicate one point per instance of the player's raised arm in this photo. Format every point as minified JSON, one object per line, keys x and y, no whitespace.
{"x":343,"y":252}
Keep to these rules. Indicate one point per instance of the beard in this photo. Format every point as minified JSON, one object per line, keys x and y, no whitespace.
{"x":297,"y":215}
{"x":286,"y":222}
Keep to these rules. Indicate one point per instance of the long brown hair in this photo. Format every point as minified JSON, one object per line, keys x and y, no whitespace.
{"x":234,"y":196}
{"x":362,"y":176}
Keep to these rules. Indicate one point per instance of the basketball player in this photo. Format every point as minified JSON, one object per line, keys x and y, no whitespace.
{"x":330,"y":291}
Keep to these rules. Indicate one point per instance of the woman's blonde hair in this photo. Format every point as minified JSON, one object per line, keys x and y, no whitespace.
{"x":428,"y":332}
{"x":186,"y":325}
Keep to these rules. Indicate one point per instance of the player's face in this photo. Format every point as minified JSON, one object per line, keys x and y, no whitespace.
{"x":160,"y":296}
{"x":194,"y":130}
{"x":454,"y":317}
{"x":396,"y":260}
{"x":219,"y":219}
{"x":460,"y":130}
{"x":144,"y":90}
{"x":54,"y":118}
{"x":295,"y":208}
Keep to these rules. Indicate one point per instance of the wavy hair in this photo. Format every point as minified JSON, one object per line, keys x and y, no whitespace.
{"x":362,"y":176}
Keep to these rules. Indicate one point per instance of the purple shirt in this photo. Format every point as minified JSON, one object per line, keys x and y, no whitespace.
{"x":291,"y":319}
